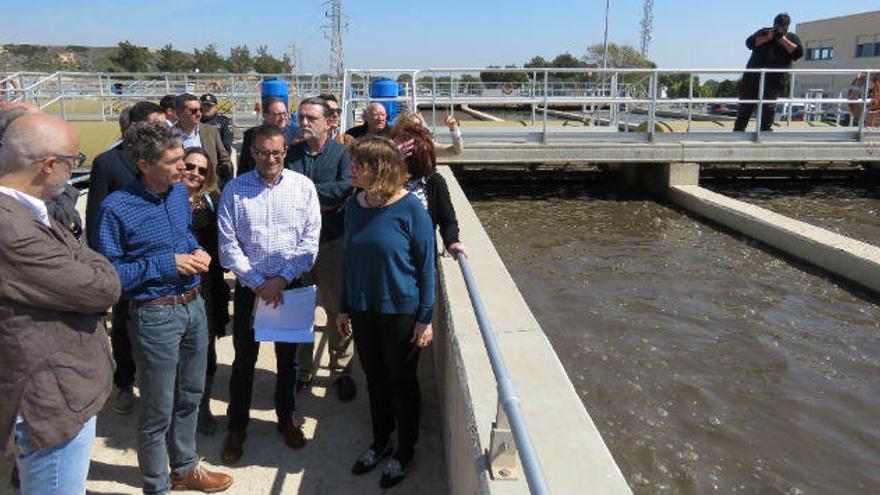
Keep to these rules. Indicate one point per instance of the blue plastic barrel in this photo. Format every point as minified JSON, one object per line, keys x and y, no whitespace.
{"x":386,"y":88}
{"x":273,"y":87}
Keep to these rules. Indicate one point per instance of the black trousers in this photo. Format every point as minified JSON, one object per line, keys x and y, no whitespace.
{"x":773,"y":85}
{"x":241,"y":383}
{"x":390,"y":362}
{"x":123,"y":377}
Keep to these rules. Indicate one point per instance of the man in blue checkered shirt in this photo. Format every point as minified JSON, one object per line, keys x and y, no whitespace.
{"x":144,"y":230}
{"x":270,"y":223}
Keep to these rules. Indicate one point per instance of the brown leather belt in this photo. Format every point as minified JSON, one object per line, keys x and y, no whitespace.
{"x":184,"y":298}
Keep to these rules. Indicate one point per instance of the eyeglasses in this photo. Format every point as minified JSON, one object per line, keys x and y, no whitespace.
{"x":203,"y":171}
{"x":194,"y":111}
{"x":265,"y":154}
{"x":78,"y":159}
{"x":336,"y":111}
{"x":309,"y":118}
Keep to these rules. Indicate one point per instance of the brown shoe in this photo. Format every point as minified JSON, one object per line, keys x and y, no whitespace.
{"x":232,"y":446}
{"x":199,"y":478}
{"x":293,"y":435}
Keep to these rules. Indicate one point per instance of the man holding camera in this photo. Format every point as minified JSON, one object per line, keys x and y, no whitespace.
{"x":772,"y":48}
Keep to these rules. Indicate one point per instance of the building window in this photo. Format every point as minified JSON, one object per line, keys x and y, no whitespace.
{"x":819,"y":50}
{"x":868,"y":45}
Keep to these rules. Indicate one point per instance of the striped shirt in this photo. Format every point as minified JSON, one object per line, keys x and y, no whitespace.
{"x":269,"y":231}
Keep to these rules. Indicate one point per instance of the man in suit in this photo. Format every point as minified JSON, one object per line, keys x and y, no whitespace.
{"x":112,"y":170}
{"x":189,"y":116}
{"x":55,"y":364}
{"x":274,"y":113}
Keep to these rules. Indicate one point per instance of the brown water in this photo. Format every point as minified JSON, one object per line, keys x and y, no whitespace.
{"x":846,"y":207}
{"x":708,"y":363}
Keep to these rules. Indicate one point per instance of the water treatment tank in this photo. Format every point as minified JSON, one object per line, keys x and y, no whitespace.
{"x":273,"y":87}
{"x":386,"y":88}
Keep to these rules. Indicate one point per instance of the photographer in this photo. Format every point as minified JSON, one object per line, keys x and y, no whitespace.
{"x":772,"y":48}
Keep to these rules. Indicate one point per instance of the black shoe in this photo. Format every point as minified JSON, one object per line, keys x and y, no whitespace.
{"x":394,"y":472}
{"x":15,"y":481}
{"x":369,"y":459}
{"x":345,"y":388}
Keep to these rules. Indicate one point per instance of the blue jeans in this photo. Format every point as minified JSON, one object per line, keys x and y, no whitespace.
{"x":62,"y":468}
{"x":170,"y":344}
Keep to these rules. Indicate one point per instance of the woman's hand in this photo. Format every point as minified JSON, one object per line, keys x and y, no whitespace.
{"x":457,"y":247}
{"x":423,"y":334}
{"x":342,"y":324}
{"x":450,"y":122}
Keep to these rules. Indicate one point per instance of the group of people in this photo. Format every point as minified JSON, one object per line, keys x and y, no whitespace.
{"x":354,"y":213}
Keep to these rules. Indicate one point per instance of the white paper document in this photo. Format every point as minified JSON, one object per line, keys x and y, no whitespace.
{"x":291,"y":321}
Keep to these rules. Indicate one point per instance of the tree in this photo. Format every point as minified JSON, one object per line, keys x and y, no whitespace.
{"x":728,"y":89}
{"x":208,"y":60}
{"x":171,"y":60}
{"x":619,"y":56}
{"x":537,"y":62}
{"x":240,"y":60}
{"x":129,"y":57}
{"x":503,"y":77}
{"x":265,"y":63}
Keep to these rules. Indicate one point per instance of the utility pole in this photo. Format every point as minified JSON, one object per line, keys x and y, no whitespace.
{"x":647,"y":25}
{"x":334,"y":34}
{"x":605,"y":44}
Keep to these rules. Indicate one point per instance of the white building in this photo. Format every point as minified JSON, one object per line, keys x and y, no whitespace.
{"x":846,"y":42}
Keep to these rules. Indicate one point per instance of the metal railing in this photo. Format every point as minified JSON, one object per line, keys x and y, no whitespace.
{"x":510,"y":435}
{"x":614,"y":94}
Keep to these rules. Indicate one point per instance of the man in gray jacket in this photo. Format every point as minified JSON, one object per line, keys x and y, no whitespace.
{"x":55,"y":363}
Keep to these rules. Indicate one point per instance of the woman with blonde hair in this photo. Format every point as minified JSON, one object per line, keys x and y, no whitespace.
{"x":388,"y":294}
{"x":200,"y":177}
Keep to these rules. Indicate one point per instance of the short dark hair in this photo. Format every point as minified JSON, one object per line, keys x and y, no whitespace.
{"x":266,"y":131}
{"x":142,"y":110}
{"x":168,"y":101}
{"x":328,"y":97}
{"x":782,"y":19}
{"x":268,"y":102}
{"x":182,"y":99}
{"x":321,"y":102}
{"x":147,"y":140}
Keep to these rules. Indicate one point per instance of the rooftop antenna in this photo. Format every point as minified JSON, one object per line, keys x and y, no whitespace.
{"x":647,"y":26}
{"x":334,"y":34}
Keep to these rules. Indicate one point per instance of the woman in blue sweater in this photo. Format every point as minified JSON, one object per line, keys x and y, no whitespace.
{"x":388,"y":293}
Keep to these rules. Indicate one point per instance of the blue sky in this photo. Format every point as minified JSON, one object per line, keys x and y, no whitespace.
{"x":416,"y":33}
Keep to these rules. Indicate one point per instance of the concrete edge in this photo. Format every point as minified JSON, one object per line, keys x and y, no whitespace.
{"x":569,"y":446}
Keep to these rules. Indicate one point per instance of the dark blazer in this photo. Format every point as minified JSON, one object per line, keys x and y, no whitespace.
{"x":329,"y":171}
{"x":246,"y":161}
{"x":218,"y":155}
{"x":111,"y":170}
{"x":55,"y":363}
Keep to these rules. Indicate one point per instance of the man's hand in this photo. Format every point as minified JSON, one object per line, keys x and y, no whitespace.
{"x":342,"y":325}
{"x":187,"y":264}
{"x":270,"y":291}
{"x":423,"y":334}
{"x":203,"y":258}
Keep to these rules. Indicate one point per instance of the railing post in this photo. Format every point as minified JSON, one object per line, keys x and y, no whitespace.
{"x":101,"y":97}
{"x":61,"y":95}
{"x":434,"y":103}
{"x":652,"y":112}
{"x":760,"y":109}
{"x":503,"y":456}
{"x":861,"y":133}
{"x":614,"y":107}
{"x":546,"y":104}
{"x":690,"y":99}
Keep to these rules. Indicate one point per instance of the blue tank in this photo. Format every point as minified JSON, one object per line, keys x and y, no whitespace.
{"x":386,"y":88}
{"x":273,"y":87}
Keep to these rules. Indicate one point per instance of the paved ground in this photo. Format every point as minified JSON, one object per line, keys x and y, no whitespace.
{"x":337,"y":432}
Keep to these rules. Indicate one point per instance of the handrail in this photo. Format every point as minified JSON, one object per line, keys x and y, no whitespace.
{"x":507,"y":397}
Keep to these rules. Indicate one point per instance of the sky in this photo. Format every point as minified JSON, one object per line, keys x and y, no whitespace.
{"x":417,"y":34}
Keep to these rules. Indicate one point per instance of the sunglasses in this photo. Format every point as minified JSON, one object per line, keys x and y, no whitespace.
{"x":194,"y":111}
{"x":203,"y":171}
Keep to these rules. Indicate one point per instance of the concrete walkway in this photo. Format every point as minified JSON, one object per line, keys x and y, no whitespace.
{"x":337,"y":432}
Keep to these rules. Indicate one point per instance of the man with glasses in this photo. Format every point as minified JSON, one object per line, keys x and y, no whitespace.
{"x":333,"y":121}
{"x":269,"y":224}
{"x":274,"y":113}
{"x":325,"y":161}
{"x":189,"y":121}
{"x":144,"y":230}
{"x":54,"y":357}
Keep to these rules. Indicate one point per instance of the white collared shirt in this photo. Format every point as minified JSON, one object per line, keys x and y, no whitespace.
{"x":36,"y":205}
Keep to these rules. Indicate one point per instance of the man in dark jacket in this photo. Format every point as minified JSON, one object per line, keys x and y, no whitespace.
{"x":274,"y":113}
{"x":772,"y":48}
{"x":218,"y":120}
{"x":112,"y":170}
{"x":55,"y":364}
{"x":325,"y":161}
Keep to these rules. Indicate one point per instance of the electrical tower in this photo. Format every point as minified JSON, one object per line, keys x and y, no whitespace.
{"x":647,"y":26}
{"x":334,"y":34}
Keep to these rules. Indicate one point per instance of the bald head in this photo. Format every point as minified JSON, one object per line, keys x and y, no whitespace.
{"x":13,"y":111}
{"x":30,"y":159}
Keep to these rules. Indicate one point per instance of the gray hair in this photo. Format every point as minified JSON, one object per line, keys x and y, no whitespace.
{"x":124,"y":118}
{"x":22,"y":144}
{"x":7,"y":116}
{"x":321,"y":102}
{"x":147,"y":140}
